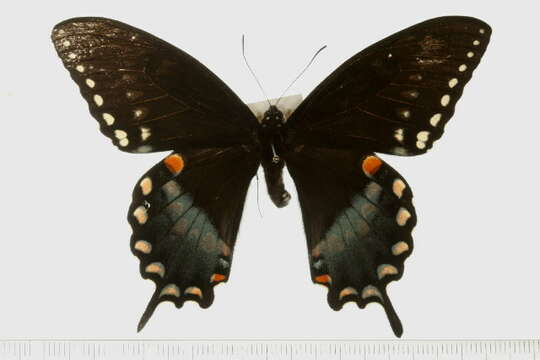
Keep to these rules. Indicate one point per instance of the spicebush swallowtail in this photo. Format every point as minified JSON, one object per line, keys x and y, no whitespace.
{"x":394,"y":97}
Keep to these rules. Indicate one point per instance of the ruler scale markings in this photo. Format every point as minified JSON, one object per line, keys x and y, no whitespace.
{"x":269,"y":350}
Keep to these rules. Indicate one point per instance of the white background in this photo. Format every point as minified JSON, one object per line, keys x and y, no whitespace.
{"x":65,"y":265}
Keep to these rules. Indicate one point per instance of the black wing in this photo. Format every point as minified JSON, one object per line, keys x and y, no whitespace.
{"x":358,"y":217}
{"x":185,"y":216}
{"x":150,"y":96}
{"x":395,"y":96}
{"x":146,"y":94}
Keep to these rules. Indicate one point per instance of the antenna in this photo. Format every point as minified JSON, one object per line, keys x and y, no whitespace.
{"x":251,"y":70}
{"x":301,"y":73}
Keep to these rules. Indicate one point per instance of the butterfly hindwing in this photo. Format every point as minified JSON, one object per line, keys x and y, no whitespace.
{"x":146,"y":94}
{"x":185,"y":216}
{"x":395,"y":96}
{"x":358,"y":217}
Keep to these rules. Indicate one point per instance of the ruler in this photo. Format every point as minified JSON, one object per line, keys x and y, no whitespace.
{"x":269,"y":349}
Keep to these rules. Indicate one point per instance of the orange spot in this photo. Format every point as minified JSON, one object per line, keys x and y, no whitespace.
{"x":217,"y":278}
{"x":371,"y":165}
{"x":193,"y":290}
{"x":323,"y":279}
{"x":175,"y":163}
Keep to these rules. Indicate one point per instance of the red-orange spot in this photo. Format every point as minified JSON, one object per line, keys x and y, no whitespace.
{"x":175,"y":163}
{"x":371,"y":165}
{"x":217,"y":278}
{"x":323,"y":279}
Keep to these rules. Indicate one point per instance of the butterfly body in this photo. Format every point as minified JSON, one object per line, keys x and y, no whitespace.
{"x":394,"y":97}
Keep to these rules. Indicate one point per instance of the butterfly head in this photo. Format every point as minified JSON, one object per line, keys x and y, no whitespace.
{"x":272,"y":119}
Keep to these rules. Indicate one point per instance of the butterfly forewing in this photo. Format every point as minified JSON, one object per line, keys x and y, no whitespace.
{"x":395,"y":96}
{"x":146,"y":94}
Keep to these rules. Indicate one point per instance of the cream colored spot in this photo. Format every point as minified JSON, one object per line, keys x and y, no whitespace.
{"x":138,"y":113}
{"x":143,"y":246}
{"x":156,"y":268}
{"x":453,"y":82}
{"x":462,"y":67}
{"x":370,"y":291}
{"x":91,"y":83}
{"x":399,"y":248}
{"x":171,"y":290}
{"x":397,"y":187}
{"x":435,"y":119}
{"x":386,"y":269}
{"x":61,"y":32}
{"x":145,"y":133}
{"x":140,"y":214}
{"x":476,"y":42}
{"x":72,"y":55}
{"x":421,"y":145}
{"x":422,"y":135}
{"x":144,"y":149}
{"x":193,"y":290}
{"x":470,"y":54}
{"x":402,"y":216}
{"x":66,"y":43}
{"x":124,"y":142}
{"x":404,"y":113}
{"x":481,"y":31}
{"x":98,"y":100}
{"x":109,"y":119}
{"x":347,"y":291}
{"x":398,"y":135}
{"x":80,"y":68}
{"x":445,"y":100}
{"x":398,"y":150}
{"x":410,"y":94}
{"x":120,"y":134}
{"x":146,"y":186}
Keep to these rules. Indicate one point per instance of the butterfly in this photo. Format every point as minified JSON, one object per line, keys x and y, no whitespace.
{"x":394,"y":97}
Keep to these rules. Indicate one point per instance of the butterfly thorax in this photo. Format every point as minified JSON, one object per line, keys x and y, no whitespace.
{"x":271,"y":139}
